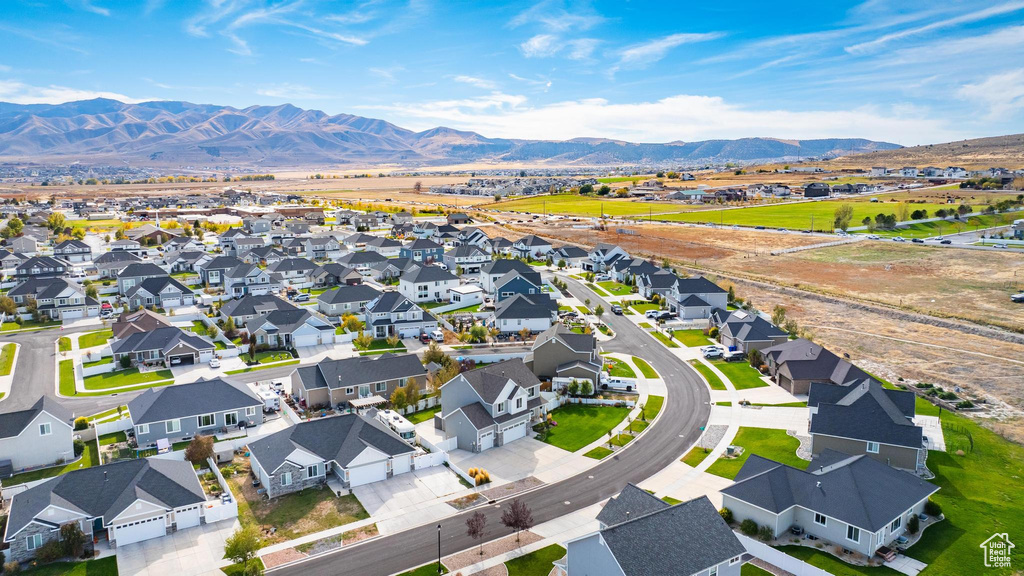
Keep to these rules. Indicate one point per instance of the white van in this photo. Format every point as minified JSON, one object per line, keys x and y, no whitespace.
{"x":437,"y":336}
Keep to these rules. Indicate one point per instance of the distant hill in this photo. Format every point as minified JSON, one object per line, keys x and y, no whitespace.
{"x":166,"y":133}
{"x":979,"y":153}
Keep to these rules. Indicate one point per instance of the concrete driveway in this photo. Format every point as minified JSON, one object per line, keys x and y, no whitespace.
{"x":195,"y":551}
{"x":407,"y":490}
{"x":522,"y":458}
{"x":763,"y":417}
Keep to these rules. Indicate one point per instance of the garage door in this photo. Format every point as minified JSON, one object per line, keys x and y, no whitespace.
{"x":409,"y":332}
{"x":487,"y":441}
{"x":365,"y":474}
{"x":183,"y":359}
{"x":305,"y":340}
{"x":187,"y":518}
{"x":71,"y":314}
{"x":513,"y":433}
{"x":401,"y":465}
{"x":132,"y":532}
{"x":171,"y":302}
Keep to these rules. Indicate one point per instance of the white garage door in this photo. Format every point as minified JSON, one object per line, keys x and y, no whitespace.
{"x":171,"y":302}
{"x":401,"y":465}
{"x":305,"y":340}
{"x":71,"y":314}
{"x":513,"y":433}
{"x":487,"y":441}
{"x":365,"y":474}
{"x":187,"y":518}
{"x":132,"y":532}
{"x":409,"y":332}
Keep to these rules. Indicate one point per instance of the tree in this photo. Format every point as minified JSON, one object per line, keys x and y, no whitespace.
{"x":200,"y":449}
{"x":754,"y":357}
{"x":417,"y":187}
{"x":586,"y":388}
{"x":732,"y":294}
{"x":587,"y":189}
{"x":524,"y":334}
{"x":7,"y":306}
{"x":574,"y":388}
{"x":517,"y":516}
{"x":92,"y":292}
{"x":398,"y":399}
{"x":73,"y":538}
{"x":599,"y":310}
{"x":55,"y":222}
{"x":119,"y":234}
{"x":78,"y":233}
{"x":902,"y":211}
{"x":475,"y":525}
{"x":412,"y":392}
{"x":363,"y":341}
{"x":241,"y":547}
{"x":393,"y":340}
{"x":778,"y":315}
{"x":604,"y":190}
{"x":478,"y":333}
{"x":843,"y":216}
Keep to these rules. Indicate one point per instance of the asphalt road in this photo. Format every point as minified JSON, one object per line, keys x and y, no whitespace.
{"x":686,"y":409}
{"x":34,"y":374}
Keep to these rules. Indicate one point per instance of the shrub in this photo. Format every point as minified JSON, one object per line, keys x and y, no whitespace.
{"x":913,"y":525}
{"x":79,"y":447}
{"x":765,"y":533}
{"x":713,"y":332}
{"x":726,"y":515}
{"x":81,"y":423}
{"x":72,"y":540}
{"x":199,"y":449}
{"x":964,"y":404}
{"x":932,"y":508}
{"x":12,"y":567}
{"x":126,"y":361}
{"x":50,"y":551}
{"x":748,"y":527}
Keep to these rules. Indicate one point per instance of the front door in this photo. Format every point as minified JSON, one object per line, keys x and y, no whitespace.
{"x":364,"y":391}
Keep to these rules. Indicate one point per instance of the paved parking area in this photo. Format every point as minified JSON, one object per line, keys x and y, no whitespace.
{"x":772,"y":394}
{"x":932,"y":429}
{"x":763,"y":417}
{"x":522,"y":458}
{"x":407,"y":490}
{"x":195,"y":551}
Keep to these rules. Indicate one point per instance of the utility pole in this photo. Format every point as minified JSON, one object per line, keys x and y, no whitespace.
{"x":440,"y":569}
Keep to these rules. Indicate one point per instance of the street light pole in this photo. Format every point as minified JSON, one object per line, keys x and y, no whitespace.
{"x":439,"y":568}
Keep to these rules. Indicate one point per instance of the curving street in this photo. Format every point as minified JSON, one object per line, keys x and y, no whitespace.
{"x":685,"y":411}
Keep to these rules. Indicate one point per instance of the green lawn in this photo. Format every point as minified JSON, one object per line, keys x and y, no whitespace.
{"x":101,"y":361}
{"x":653,"y":406}
{"x":583,"y":310}
{"x":692,"y":338}
{"x":671,"y":501}
{"x":91,"y":339}
{"x":574,"y":205}
{"x":741,"y":374}
{"x":664,"y":339}
{"x":105,"y":415}
{"x":598,"y":453}
{"x":423,"y":415}
{"x":7,"y":358}
{"x":89,"y":458}
{"x":261,"y":367}
{"x":426,"y":570}
{"x":64,"y":344}
{"x":749,"y":569}
{"x":66,"y":370}
{"x":618,"y":368}
{"x":615,"y":288}
{"x":765,"y":442}
{"x":943,"y":227}
{"x":267,"y":356}
{"x":580,"y":425}
{"x":597,"y":290}
{"x":713,"y":380}
{"x":113,"y":438}
{"x":837,"y":567}
{"x":644,"y":307}
{"x":198,"y":327}
{"x":621,"y":439}
{"x":695,"y":456}
{"x":129,"y":377}
{"x":102,"y":567}
{"x":645,"y":325}
{"x":27,"y":325}
{"x":382,"y":344}
{"x":538,"y":563}
{"x":644,"y":367}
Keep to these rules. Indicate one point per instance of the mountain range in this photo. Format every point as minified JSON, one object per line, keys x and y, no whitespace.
{"x":170,"y":133}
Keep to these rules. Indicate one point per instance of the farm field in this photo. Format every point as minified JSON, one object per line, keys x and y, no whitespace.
{"x":943,"y":227}
{"x":585,"y":206}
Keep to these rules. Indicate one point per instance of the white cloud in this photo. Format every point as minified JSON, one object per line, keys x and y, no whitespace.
{"x":90,"y":7}
{"x":556,"y":19}
{"x":682,"y":117}
{"x":536,"y":83}
{"x":387,"y":74}
{"x":648,"y":52}
{"x":20,"y":93}
{"x":541,"y":46}
{"x":478,"y":82}
{"x":289,"y":91}
{"x":976,"y":16}
{"x":582,"y":48}
{"x":1001,"y":94}
{"x":4,"y":68}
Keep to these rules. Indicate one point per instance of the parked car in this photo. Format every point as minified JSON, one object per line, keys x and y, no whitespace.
{"x":303,"y":297}
{"x":1000,"y":246}
{"x":214,"y":362}
{"x":873,"y":237}
{"x":437,"y":336}
{"x":899,"y":239}
{"x":665,"y":315}
{"x":945,"y":241}
{"x":735,"y":357}
{"x":917,"y":241}
{"x":425,"y":338}
{"x":616,"y":309}
{"x":653,"y":314}
{"x":1018,"y":298}
{"x":712,"y":353}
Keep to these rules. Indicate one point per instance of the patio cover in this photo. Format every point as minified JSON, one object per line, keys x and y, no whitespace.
{"x":366,"y":402}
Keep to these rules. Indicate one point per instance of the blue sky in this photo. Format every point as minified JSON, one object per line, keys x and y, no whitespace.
{"x":906,"y":72}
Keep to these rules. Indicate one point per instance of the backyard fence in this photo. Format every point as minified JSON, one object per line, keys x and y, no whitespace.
{"x":794,"y":566}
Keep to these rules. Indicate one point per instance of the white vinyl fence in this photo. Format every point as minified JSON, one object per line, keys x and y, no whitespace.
{"x":794,"y":566}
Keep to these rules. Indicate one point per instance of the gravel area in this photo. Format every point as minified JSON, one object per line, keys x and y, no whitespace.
{"x":512,"y":488}
{"x":468,"y":501}
{"x":457,"y":562}
{"x":803,"y":452}
{"x":275,"y":559}
{"x":712,"y":436}
{"x":498,"y":570}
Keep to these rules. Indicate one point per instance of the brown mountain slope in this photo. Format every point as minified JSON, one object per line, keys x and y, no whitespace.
{"x":979,"y":153}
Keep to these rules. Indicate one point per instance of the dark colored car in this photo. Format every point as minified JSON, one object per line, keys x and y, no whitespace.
{"x":945,"y":242}
{"x":917,"y":241}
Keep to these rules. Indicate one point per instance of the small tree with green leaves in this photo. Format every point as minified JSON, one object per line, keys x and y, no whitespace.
{"x":363,"y":341}
{"x":586,"y":388}
{"x":398,"y":399}
{"x":241,"y":547}
{"x":599,"y":311}
{"x":73,"y":539}
{"x":412,"y":392}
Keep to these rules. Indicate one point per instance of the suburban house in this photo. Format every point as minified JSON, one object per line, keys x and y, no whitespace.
{"x":130,"y":322}
{"x":696,"y":298}
{"x":384,"y":246}
{"x":795,"y":364}
{"x":536,"y":313}
{"x":128,"y":245}
{"x":865,"y":418}
{"x":73,"y":251}
{"x":56,"y":298}
{"x":851,"y":501}
{"x":322,"y":248}
{"x":468,"y":258}
{"x":295,"y":270}
{"x":263,"y":255}
{"x":204,"y":407}
{"x":9,"y":260}
{"x":246,"y":245}
{"x":110,"y":264}
{"x":427,"y":284}
{"x":642,"y":535}
{"x":361,"y":261}
{"x":531,"y":247}
{"x":162,"y":292}
{"x":134,"y":274}
{"x":422,"y":250}
{"x":212,"y":271}
{"x":351,"y":449}
{"x":498,"y":245}
{"x":560,"y":352}
{"x":458,"y":219}
{"x":169,"y":345}
{"x":627,"y":270}
{"x":257,"y":225}
{"x":490,"y":406}
{"x":184,"y":260}
{"x":471,"y":236}
{"x":393,"y":313}
{"x":518,"y":283}
{"x":346,"y":299}
{"x":290,"y":329}
{"x":250,"y":279}
{"x":392,"y":268}
{"x":253,"y":306}
{"x":745,"y":331}
{"x":226,"y":241}
{"x":23,"y":245}
{"x":357,"y":382}
{"x":131,"y":501}
{"x":817,"y":190}
{"x":603,"y":257}
{"x":40,"y":267}
{"x":35,"y":437}
{"x":334,"y":274}
{"x":661,"y":283}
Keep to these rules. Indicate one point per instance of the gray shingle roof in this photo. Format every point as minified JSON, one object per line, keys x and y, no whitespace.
{"x":857,"y":490}
{"x":360,"y":370}
{"x":865,"y":411}
{"x":428,"y":274}
{"x":632,"y":502}
{"x":490,"y":380}
{"x":519,"y":306}
{"x":251,"y":305}
{"x":804,"y":360}
{"x":559,"y":331}
{"x":502,"y":266}
{"x":343,"y":294}
{"x":163,"y":339}
{"x":193,"y":399}
{"x":13,"y":423}
{"x":338,"y":438}
{"x":141,"y":269}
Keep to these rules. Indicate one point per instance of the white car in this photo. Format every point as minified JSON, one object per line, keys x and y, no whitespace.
{"x":899,"y":239}
{"x":652,"y":313}
{"x":214,"y":362}
{"x":873,"y":237}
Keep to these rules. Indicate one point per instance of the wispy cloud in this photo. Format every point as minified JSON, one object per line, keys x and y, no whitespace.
{"x":582,"y":48}
{"x":1001,"y":95}
{"x":5,"y":68}
{"x":541,"y":46}
{"x":477,"y":82}
{"x":388,"y":74}
{"x":289,"y":91}
{"x":975,"y":16}
{"x":651,"y":51}
{"x":64,"y":41}
{"x":536,"y":83}
{"x":89,"y":6}
{"x":21,"y":93}
{"x":553,"y":16}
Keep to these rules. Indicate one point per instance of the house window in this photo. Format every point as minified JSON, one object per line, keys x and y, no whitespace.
{"x":501,"y":407}
{"x":519,"y":403}
{"x":853,"y":534}
{"x":173,"y":426}
{"x":713,"y":571}
{"x":820,"y":519}
{"x":143,"y":429}
{"x":872,"y":447}
{"x":312,"y":471}
{"x":34,"y":541}
{"x":286,"y":479}
{"x":250,"y":411}
{"x":531,"y":392}
{"x":896,"y":524}
{"x":44,"y":429}
{"x":381,"y":387}
{"x":231,"y":418}
{"x":206,"y":420}
{"x":734,"y":560}
{"x":350,"y":391}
